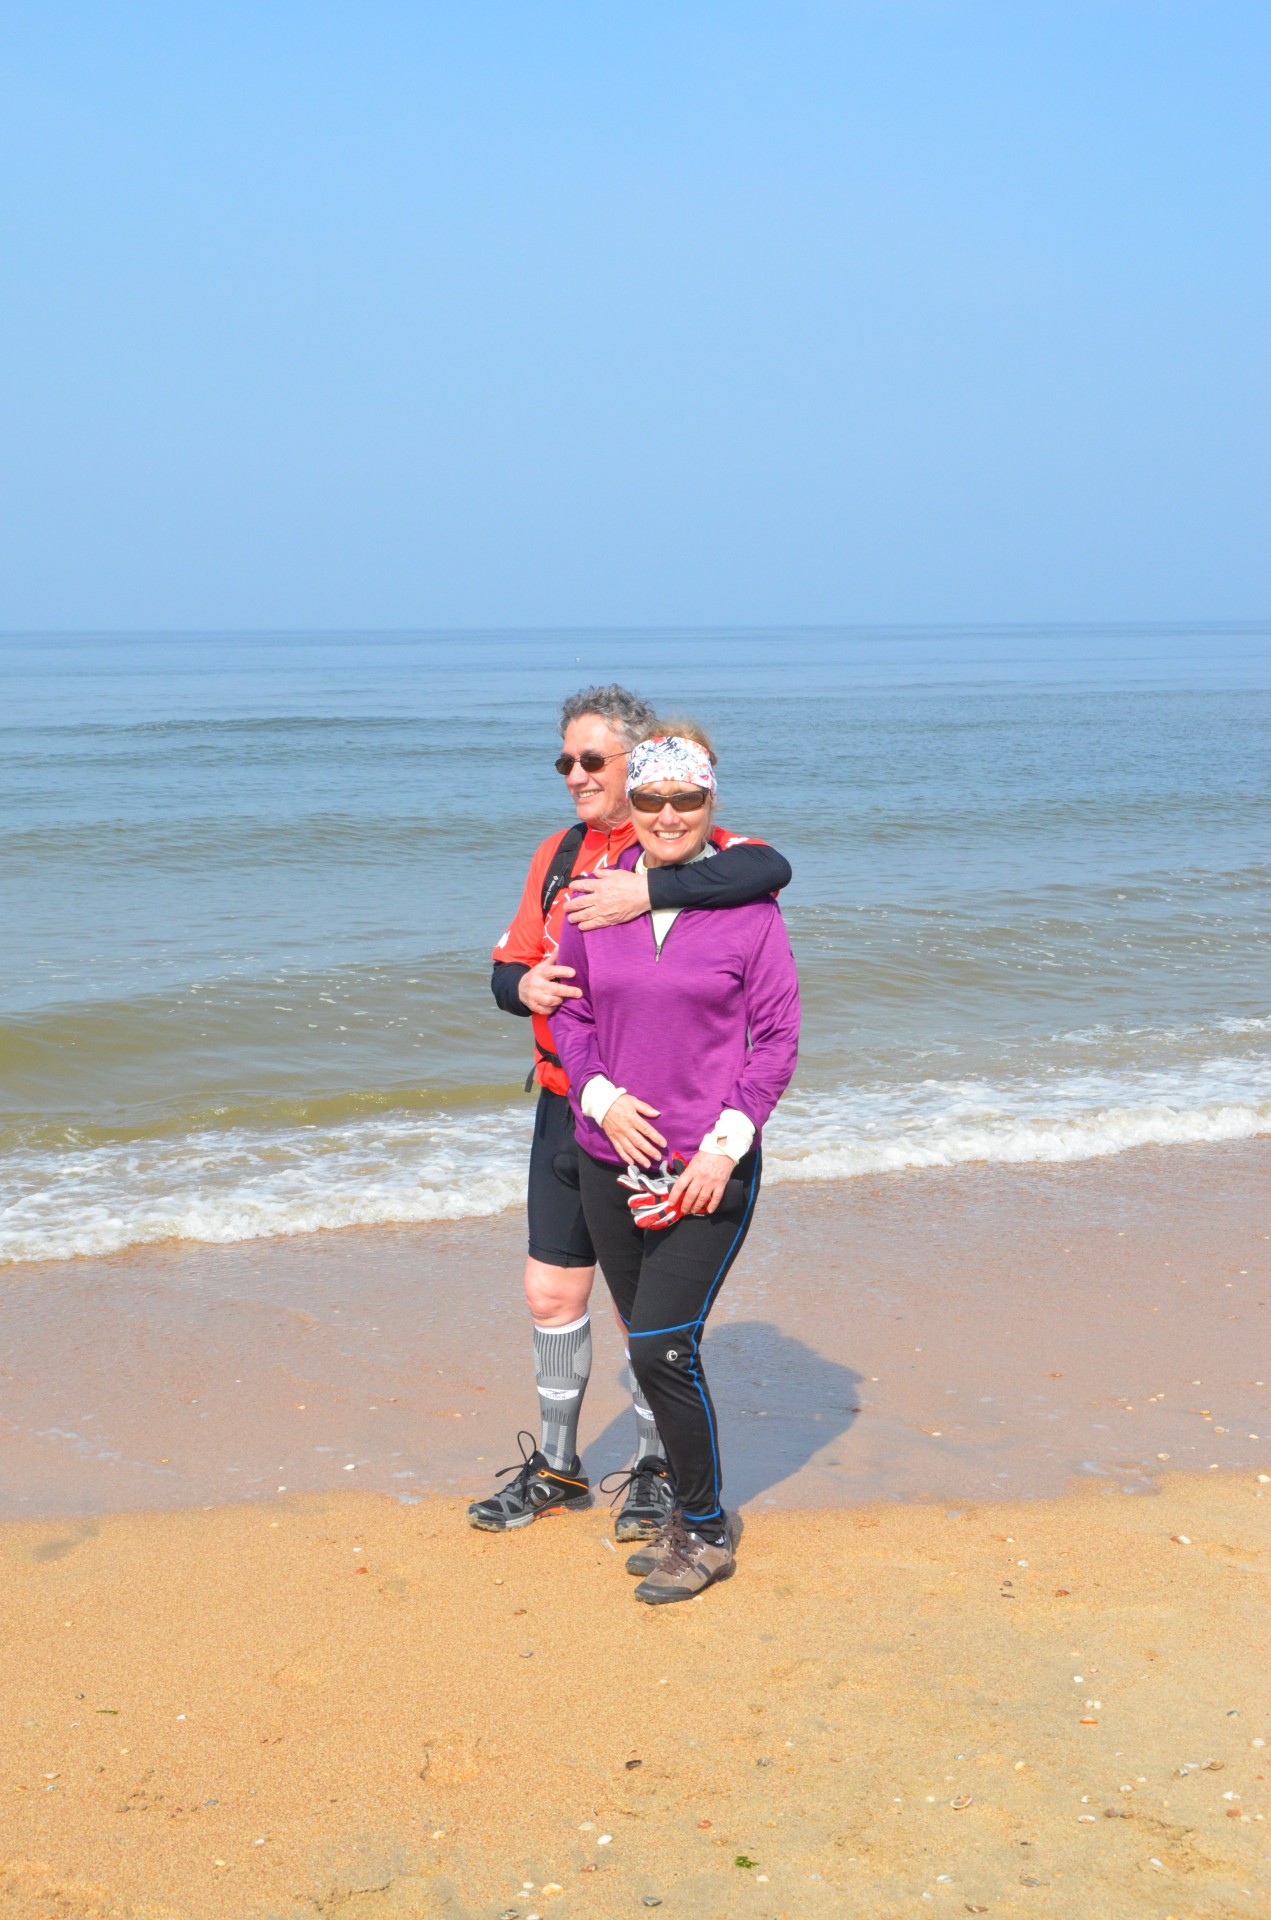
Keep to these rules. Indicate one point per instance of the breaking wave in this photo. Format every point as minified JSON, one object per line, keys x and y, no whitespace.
{"x":250,"y":1182}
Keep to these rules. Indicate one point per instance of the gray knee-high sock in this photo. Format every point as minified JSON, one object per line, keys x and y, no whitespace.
{"x":562,"y":1368}
{"x":648,"y":1439}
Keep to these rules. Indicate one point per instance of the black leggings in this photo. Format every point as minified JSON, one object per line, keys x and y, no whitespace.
{"x":664,"y":1283}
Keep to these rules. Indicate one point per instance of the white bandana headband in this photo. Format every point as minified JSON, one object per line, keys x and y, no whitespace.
{"x":670,"y":757}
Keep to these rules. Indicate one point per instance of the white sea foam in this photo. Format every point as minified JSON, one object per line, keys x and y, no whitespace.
{"x":1068,"y":1116}
{"x":233,"y":1185}
{"x":244,"y":1185}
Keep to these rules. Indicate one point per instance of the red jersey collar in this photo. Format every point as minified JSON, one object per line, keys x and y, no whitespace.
{"x":614,"y":842}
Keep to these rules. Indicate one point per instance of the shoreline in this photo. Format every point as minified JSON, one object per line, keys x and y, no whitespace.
{"x":339,"y":1706}
{"x":962,"y":1333}
{"x":394,"y":1172}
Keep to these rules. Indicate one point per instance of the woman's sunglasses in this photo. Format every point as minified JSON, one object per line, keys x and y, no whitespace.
{"x":689,"y":802}
{"x":590,"y":762}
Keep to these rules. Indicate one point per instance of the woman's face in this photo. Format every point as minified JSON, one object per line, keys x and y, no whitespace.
{"x":669,"y":838}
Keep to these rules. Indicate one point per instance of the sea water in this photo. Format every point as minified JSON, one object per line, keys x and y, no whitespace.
{"x":250,"y":885}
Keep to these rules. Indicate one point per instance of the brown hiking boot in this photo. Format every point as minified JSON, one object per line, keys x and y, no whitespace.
{"x":645,"y":1559}
{"x":688,"y":1565}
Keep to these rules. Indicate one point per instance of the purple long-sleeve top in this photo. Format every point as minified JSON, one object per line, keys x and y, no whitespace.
{"x":710,"y":1022}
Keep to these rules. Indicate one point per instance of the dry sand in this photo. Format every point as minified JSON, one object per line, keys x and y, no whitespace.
{"x":337,"y":1705}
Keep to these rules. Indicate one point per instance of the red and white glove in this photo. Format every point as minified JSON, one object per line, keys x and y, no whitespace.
{"x":650,"y":1202}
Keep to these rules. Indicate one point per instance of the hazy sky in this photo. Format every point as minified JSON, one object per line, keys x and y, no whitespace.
{"x":489,"y":312}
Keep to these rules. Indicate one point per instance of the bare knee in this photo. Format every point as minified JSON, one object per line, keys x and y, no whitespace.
{"x":557,"y":1295}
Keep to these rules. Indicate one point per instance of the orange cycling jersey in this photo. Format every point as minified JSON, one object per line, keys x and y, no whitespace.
{"x":531,"y":938}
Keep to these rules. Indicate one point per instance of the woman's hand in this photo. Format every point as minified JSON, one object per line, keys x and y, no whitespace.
{"x":628,"y":1125}
{"x":700,"y":1187}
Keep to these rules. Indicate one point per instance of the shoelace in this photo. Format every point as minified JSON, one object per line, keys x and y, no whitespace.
{"x":628,"y":1477}
{"x":525,"y":1468}
{"x":677,"y":1548}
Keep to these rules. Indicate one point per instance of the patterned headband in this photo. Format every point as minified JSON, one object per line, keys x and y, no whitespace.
{"x":670,"y":757}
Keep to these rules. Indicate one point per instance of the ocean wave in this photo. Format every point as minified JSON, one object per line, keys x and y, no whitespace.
{"x":248,"y":1184}
{"x":1068,"y":1117}
{"x":233,"y":1184}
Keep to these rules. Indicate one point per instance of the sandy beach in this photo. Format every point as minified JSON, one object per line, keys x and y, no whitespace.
{"x":994,"y":1645}
{"x":341,"y":1706}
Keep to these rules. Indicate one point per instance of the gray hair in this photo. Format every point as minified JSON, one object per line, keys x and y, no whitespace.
{"x":628,"y":715}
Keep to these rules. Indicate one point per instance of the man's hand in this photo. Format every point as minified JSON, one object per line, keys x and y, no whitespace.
{"x":607,"y":898}
{"x":543,"y":988}
{"x":628,"y":1125}
{"x":700,"y":1187}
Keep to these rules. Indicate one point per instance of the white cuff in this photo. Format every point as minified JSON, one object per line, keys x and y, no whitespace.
{"x":597,"y":1097}
{"x":733,"y":1134}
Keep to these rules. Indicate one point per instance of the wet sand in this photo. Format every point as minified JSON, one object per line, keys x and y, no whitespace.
{"x":966,"y":1335}
{"x":340,"y":1706}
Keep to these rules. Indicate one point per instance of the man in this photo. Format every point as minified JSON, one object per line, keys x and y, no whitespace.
{"x":598,"y":728}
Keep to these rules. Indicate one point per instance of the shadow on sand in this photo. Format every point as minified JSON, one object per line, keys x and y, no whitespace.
{"x":779,"y":1403}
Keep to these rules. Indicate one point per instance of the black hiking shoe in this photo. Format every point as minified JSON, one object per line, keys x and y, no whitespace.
{"x":650,"y":1499}
{"x":537,"y":1489}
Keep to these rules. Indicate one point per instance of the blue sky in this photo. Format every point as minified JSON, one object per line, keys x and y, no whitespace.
{"x":399,"y":315}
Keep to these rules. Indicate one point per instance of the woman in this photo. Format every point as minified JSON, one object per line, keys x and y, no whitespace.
{"x":689,"y":1020}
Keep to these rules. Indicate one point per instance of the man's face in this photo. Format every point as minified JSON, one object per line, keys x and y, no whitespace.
{"x":600,"y":798}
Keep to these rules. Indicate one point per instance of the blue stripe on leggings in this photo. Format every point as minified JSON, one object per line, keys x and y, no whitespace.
{"x":715,"y":1286}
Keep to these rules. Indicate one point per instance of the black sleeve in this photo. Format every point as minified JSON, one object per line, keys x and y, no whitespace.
{"x":731,"y":879}
{"x":505,"y":980}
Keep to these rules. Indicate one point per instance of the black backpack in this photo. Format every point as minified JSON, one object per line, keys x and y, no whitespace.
{"x":561,"y":870}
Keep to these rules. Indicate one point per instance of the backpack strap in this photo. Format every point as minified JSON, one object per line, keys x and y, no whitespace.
{"x":560,"y":869}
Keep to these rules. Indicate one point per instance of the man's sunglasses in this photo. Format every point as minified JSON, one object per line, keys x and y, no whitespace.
{"x":590,"y":762}
{"x":689,"y":802}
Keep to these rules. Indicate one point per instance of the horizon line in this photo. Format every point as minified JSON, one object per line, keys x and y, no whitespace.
{"x":458,"y":630}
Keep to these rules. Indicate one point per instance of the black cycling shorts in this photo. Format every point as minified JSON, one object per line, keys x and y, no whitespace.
{"x":558,"y":1231}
